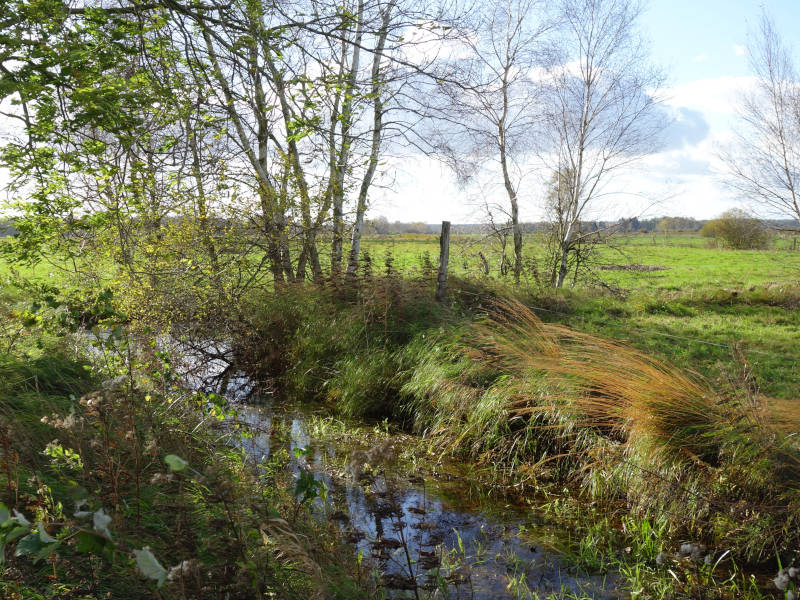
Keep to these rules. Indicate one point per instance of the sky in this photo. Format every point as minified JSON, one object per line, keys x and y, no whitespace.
{"x":701,"y":44}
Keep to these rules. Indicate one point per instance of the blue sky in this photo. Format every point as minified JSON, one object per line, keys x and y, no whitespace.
{"x":698,"y":39}
{"x":701,"y":45}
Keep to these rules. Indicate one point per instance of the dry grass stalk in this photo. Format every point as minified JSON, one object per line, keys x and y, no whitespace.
{"x":638,"y":400}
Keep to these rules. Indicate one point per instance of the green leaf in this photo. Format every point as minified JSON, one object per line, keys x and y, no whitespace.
{"x":149,"y":566}
{"x":298,"y":452}
{"x":89,"y":542}
{"x":5,"y":514}
{"x":30,"y":544}
{"x":176,"y":463}
{"x":20,"y":518}
{"x":43,"y":535}
{"x":17,"y":532}
{"x":307,"y":486}
{"x":46,"y":551}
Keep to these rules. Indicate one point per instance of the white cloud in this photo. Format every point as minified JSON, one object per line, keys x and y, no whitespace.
{"x":686,"y":180}
{"x":700,"y":58}
{"x":683,"y":179}
{"x":425,"y":41}
{"x":739,"y":50}
{"x":716,"y":97}
{"x":421,"y":189}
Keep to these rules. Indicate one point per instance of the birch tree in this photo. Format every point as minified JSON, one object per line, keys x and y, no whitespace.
{"x":278,"y":109}
{"x":602,"y":111}
{"x":493,"y":103}
{"x":305,"y":100}
{"x":764,"y":161}
{"x":378,"y":102}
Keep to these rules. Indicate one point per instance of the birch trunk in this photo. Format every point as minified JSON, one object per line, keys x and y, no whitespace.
{"x":377,"y":132}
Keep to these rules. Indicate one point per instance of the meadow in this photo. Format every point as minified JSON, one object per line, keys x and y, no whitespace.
{"x":702,"y":301}
{"x":182,"y":182}
{"x":691,"y":262}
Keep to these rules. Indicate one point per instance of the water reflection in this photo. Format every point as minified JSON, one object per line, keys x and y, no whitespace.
{"x":418,"y":530}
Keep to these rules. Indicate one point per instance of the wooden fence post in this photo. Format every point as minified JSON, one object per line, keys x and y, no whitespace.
{"x":444,"y":259}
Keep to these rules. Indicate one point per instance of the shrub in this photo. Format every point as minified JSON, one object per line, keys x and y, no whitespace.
{"x":534,"y":402}
{"x":132,"y":477}
{"x":714,"y":462}
{"x":738,"y":230}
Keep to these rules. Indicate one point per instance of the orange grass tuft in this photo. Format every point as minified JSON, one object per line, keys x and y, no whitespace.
{"x":617,"y":389}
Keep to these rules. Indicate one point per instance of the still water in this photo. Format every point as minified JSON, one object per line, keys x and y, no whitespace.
{"x":428,"y":529}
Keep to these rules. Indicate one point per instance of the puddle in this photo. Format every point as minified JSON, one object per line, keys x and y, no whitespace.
{"x":421,"y":531}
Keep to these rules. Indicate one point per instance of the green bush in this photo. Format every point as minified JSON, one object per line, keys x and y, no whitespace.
{"x":738,"y":230}
{"x":536,"y":403}
{"x":131,"y":471}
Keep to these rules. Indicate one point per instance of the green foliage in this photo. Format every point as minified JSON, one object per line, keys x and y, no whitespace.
{"x":309,"y":488}
{"x":366,"y":385}
{"x":68,"y":75}
{"x":175,"y":463}
{"x":496,"y":397}
{"x":130,"y":518}
{"x":738,"y":230}
{"x":135,"y":245}
{"x":52,"y":373}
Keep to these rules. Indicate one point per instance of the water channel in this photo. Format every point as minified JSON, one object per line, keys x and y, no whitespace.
{"x":423,"y":526}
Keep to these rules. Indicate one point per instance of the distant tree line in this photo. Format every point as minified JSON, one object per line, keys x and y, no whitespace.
{"x":382,"y":226}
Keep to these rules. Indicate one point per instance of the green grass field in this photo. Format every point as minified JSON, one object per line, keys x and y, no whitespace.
{"x":385,"y":349}
{"x":690,"y":263}
{"x":691,"y":313}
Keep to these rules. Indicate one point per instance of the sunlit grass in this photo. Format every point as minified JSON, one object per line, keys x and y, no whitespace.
{"x":532,"y":403}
